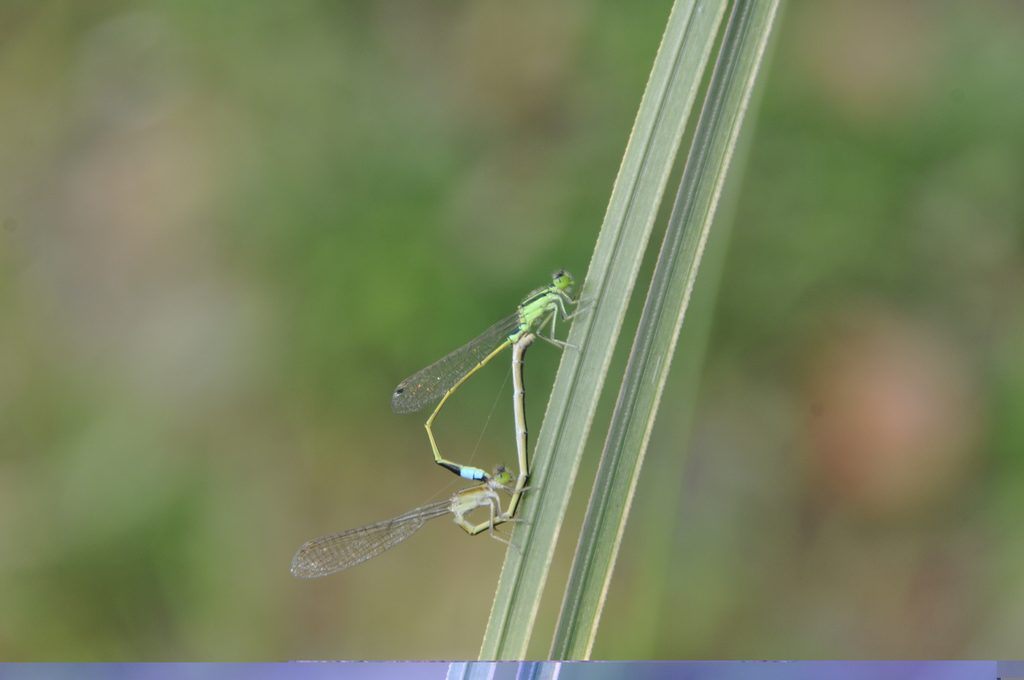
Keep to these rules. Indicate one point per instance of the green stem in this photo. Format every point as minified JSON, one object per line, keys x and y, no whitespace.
{"x":739,"y":60}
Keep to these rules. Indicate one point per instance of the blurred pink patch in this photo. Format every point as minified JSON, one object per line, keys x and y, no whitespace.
{"x":893,"y":414}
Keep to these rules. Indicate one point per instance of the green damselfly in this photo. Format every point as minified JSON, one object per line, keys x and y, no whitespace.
{"x":438,"y":381}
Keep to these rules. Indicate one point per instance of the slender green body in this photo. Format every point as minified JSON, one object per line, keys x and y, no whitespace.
{"x":519,"y":410}
{"x":337,"y":552}
{"x":438,"y":381}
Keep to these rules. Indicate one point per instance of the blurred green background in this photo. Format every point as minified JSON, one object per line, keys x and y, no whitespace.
{"x":229,"y":231}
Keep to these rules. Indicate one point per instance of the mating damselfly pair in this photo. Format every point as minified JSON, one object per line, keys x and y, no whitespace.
{"x":434,"y":385}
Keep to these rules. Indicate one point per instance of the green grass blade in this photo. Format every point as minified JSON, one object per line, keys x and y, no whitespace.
{"x":728,"y":96}
{"x":636,"y":197}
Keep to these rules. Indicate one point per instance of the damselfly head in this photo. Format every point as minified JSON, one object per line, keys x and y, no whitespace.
{"x":563,"y":280}
{"x":501,"y":476}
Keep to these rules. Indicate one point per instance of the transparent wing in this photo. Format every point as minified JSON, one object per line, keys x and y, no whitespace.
{"x":426,"y":386}
{"x":328,"y":554}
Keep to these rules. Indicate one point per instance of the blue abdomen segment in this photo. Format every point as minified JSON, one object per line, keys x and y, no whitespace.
{"x":472,"y":473}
